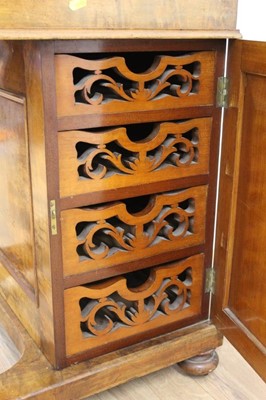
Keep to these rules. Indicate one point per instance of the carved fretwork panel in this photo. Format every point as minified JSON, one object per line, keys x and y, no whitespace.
{"x":133,"y":304}
{"x":103,"y":236}
{"x":108,"y":85}
{"x":99,"y":159}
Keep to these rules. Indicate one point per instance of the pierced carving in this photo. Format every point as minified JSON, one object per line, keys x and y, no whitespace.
{"x":173,"y":76}
{"x":115,"y":153}
{"x":169,"y":220}
{"x":104,"y":311}
{"x":101,"y":236}
{"x":86,"y":85}
{"x":128,"y":305}
{"x":119,"y":157}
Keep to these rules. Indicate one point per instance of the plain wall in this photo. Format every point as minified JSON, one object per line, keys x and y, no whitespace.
{"x":251,"y":19}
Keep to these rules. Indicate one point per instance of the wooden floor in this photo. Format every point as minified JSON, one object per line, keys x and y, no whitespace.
{"x":233,"y":379}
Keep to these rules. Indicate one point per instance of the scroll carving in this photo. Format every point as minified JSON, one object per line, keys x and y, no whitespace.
{"x":86,"y":85}
{"x":116,"y":153}
{"x":100,"y":159}
{"x":167,"y":220}
{"x":103,"y":311}
{"x":101,"y":236}
{"x":110,"y":79}
{"x":129,"y":305}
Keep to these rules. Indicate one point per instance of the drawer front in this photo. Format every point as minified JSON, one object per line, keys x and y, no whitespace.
{"x":133,"y":229}
{"x":121,"y":310}
{"x":86,"y":85}
{"x":100,"y":160}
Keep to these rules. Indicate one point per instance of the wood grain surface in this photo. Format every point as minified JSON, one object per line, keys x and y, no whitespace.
{"x":130,"y":18}
{"x":239,"y":304}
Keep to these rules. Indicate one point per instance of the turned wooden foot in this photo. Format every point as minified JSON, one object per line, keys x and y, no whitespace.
{"x":200,"y":365}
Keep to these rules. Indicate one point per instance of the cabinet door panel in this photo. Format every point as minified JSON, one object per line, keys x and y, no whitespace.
{"x":16,"y":222}
{"x":249,"y":255}
{"x":241,"y":251}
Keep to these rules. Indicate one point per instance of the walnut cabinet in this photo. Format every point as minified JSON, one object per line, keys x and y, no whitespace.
{"x":115,"y":162}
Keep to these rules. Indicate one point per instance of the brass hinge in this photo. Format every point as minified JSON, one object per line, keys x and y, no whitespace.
{"x":210,"y":281}
{"x":222,"y":92}
{"x":53,"y":217}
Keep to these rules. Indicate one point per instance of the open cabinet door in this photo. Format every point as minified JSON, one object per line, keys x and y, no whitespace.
{"x":239,"y":303}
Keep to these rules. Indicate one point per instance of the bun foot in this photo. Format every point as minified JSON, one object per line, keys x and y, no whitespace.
{"x":200,"y":365}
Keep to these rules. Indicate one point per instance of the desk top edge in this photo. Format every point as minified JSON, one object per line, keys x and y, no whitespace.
{"x":74,"y":34}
